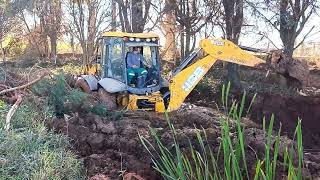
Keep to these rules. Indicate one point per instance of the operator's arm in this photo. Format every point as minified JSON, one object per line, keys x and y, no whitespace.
{"x":130,"y":60}
{"x":143,"y":61}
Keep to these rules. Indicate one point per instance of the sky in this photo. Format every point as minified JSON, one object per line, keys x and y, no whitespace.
{"x":249,"y":35}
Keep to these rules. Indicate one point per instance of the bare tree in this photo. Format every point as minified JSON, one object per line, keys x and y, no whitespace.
{"x":170,"y":28}
{"x":50,"y":14}
{"x":233,"y":14}
{"x":133,"y":14}
{"x":288,"y":17}
{"x":192,"y":16}
{"x":114,"y":15}
{"x":88,"y":20}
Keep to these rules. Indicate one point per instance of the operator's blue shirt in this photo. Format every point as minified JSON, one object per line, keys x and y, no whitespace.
{"x":134,"y":59}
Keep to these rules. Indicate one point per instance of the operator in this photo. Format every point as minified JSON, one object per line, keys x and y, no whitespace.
{"x":134,"y":60}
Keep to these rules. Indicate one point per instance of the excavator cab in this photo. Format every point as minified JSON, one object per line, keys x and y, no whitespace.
{"x":114,"y":50}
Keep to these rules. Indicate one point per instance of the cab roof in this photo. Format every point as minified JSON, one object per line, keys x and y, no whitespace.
{"x":134,"y":35}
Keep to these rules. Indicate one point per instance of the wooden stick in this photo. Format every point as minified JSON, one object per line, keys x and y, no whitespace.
{"x":11,"y":112}
{"x":23,"y":86}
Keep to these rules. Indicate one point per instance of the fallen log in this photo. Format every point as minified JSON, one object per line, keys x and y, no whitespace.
{"x":23,"y":86}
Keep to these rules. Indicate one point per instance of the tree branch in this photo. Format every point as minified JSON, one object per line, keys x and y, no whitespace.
{"x":11,"y":112}
{"x":23,"y":86}
{"x":305,"y":37}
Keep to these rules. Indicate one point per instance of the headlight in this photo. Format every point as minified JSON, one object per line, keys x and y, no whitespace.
{"x":154,"y":39}
{"x":131,"y":39}
{"x":138,"y":39}
{"x":148,"y":40}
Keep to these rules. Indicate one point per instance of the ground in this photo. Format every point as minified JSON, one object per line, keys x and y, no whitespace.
{"x":111,"y":148}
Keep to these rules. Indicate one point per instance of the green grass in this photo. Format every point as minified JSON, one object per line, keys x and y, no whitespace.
{"x":37,"y":154}
{"x":30,"y":151}
{"x":230,"y":161}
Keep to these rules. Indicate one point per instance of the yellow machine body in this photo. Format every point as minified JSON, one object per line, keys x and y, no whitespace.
{"x":155,"y":98}
{"x":182,"y":83}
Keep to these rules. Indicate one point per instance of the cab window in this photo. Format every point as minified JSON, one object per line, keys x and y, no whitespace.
{"x":115,"y":62}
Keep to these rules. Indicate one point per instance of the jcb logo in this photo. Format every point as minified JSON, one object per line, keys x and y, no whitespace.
{"x":218,"y":42}
{"x":193,"y":79}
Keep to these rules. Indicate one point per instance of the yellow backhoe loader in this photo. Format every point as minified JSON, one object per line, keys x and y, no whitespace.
{"x":111,"y":69}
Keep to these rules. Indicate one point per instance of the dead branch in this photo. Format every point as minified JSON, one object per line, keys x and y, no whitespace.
{"x":12,"y":111}
{"x":23,"y":86}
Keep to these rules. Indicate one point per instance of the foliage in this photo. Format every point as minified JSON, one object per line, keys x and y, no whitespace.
{"x":99,"y":109}
{"x":57,"y":94}
{"x":2,"y":104}
{"x":205,"y":163}
{"x":76,"y":97}
{"x":71,"y":69}
{"x":30,"y":151}
{"x":41,"y":88}
{"x":4,"y":108}
{"x":37,"y":154}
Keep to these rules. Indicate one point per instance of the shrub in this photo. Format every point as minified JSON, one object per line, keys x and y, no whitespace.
{"x":76,"y":97}
{"x":58,"y":93}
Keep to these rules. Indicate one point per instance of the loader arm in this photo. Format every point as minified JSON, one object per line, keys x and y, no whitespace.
{"x":187,"y":76}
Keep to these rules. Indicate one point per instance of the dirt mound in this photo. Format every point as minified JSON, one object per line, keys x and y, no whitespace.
{"x":287,"y":110}
{"x":112,"y":149}
{"x":109,"y":147}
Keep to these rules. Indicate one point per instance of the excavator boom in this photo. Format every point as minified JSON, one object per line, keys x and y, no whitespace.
{"x":187,"y":76}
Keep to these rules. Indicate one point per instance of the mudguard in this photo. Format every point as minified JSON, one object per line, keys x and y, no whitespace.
{"x":92,"y":81}
{"x":112,"y":85}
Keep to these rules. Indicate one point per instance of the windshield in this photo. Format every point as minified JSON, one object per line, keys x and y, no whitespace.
{"x":149,"y":53}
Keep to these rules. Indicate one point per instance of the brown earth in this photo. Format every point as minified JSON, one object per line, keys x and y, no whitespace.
{"x":287,"y":111}
{"x":112,"y":149}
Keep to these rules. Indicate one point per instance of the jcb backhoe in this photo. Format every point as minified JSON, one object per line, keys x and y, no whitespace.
{"x":109,"y":71}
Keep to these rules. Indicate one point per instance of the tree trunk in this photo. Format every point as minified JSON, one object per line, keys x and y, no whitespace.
{"x":91,"y":32}
{"x":137,"y":16}
{"x":234,"y":21}
{"x":113,"y":16}
{"x":169,"y":27}
{"x":188,"y":39}
{"x":53,"y":53}
{"x":72,"y":45}
{"x":182,"y":44}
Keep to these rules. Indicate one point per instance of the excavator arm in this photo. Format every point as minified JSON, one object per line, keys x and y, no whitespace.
{"x":189,"y":73}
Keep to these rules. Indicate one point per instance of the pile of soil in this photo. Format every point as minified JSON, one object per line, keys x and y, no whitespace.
{"x":111,"y":149}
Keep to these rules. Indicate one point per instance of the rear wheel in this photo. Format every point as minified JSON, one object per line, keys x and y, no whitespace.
{"x":83,"y":85}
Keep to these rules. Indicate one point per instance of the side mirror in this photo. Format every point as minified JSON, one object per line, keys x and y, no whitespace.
{"x":98,"y":59}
